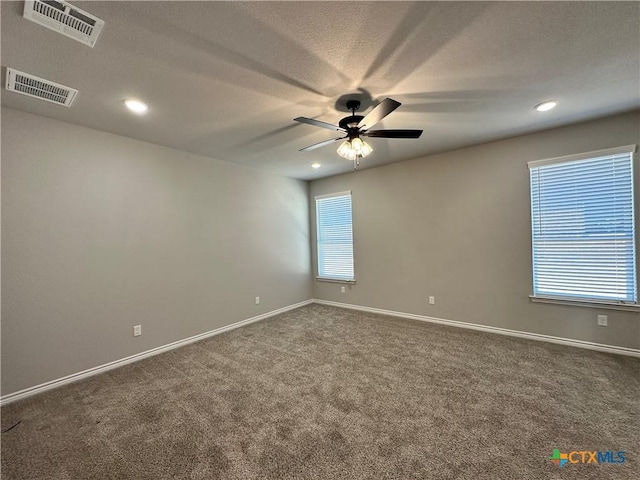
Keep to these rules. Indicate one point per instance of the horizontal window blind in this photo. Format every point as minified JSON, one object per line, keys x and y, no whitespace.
{"x":582,"y":214}
{"x":335,"y":237}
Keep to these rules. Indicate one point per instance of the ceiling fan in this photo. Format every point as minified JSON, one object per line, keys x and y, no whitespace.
{"x":356,"y":126}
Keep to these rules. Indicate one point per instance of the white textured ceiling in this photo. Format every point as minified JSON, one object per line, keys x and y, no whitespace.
{"x":226,"y":79}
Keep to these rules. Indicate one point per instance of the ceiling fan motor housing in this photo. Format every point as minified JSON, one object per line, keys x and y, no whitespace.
{"x":350,"y":123}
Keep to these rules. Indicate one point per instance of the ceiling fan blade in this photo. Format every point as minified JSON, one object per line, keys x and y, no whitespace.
{"x":321,"y":144}
{"x":393,"y":133}
{"x":318,"y":123}
{"x":380,"y":111}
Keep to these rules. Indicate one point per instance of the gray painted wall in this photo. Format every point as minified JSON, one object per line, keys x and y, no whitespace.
{"x":457,"y":226}
{"x":101,"y":232}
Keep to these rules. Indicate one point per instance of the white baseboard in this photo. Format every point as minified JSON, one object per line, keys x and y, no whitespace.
{"x":28,"y":392}
{"x":632,"y":352}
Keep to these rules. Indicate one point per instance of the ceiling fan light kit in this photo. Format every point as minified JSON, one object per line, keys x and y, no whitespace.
{"x":356,"y":126}
{"x":351,"y":149}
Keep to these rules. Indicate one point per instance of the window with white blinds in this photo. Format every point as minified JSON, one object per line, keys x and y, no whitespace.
{"x":582,"y":217}
{"x":335,"y":237}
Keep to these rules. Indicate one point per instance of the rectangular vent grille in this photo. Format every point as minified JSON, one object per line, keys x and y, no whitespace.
{"x":64,"y":18}
{"x":32,"y":86}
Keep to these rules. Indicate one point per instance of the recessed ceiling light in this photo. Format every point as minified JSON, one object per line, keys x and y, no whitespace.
{"x":136,"y":106}
{"x":545,"y":106}
{"x":315,"y":165}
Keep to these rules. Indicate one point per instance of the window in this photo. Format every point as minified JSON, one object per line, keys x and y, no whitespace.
{"x":335,"y":237}
{"x":582,"y":222}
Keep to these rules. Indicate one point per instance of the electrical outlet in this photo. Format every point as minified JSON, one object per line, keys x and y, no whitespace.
{"x":137,"y":330}
{"x":432,"y":300}
{"x":257,"y":300}
{"x":603,"y":320}
{"x":343,"y":289}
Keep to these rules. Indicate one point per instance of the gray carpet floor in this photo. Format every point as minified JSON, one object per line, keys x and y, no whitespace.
{"x":327,"y":393}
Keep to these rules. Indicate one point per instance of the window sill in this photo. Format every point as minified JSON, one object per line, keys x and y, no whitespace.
{"x":335,"y":280}
{"x":629,"y":307}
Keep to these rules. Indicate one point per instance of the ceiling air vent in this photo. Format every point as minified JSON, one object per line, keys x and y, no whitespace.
{"x":26,"y":84}
{"x":65,"y":19}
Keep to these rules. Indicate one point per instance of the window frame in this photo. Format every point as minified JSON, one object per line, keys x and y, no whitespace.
{"x":320,"y":278}
{"x":635,"y":190}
